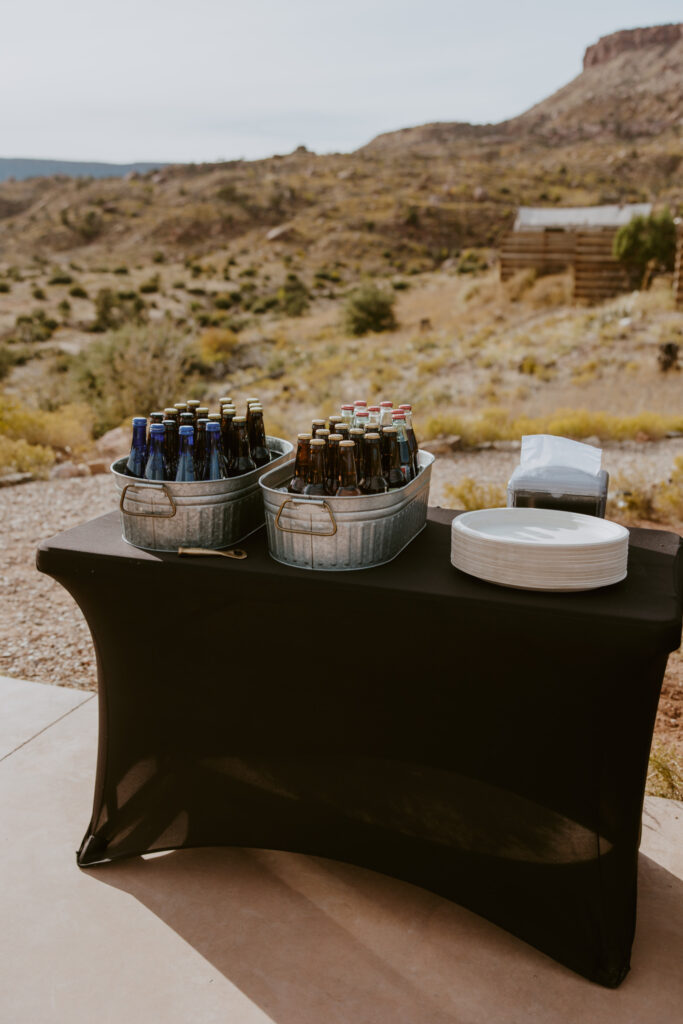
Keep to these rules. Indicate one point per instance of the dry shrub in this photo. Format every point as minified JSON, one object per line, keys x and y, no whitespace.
{"x":18,"y":456}
{"x":665,"y":773}
{"x":552,"y":290}
{"x":499,"y":425}
{"x":67,"y":427}
{"x":470,"y":495}
{"x":517,"y":286}
{"x":217,"y":345}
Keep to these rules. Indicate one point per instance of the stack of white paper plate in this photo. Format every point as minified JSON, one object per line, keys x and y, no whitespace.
{"x":539,"y":549}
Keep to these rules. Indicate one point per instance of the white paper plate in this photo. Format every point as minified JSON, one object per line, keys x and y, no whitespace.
{"x":539,"y":549}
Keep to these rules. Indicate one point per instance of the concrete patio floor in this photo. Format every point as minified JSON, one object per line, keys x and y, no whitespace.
{"x":240,"y":936}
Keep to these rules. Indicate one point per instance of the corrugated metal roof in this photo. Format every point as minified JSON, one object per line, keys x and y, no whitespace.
{"x":539,"y":217}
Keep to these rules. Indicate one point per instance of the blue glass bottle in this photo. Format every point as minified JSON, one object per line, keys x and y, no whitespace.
{"x":215,"y":467}
{"x":155,"y":468}
{"x":135,"y":466}
{"x":185,"y":471}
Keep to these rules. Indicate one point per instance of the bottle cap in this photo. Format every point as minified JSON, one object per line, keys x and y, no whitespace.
{"x":373,"y":408}
{"x":157,"y":428}
{"x":182,"y":406}
{"x":186,"y":430}
{"x":347,"y":408}
{"x":304,"y":437}
{"x":406,"y":408}
{"x":356,"y":430}
{"x":225,"y":400}
{"x":317,"y":441}
{"x":335,"y":437}
{"x":346,"y":444}
{"x":139,"y":421}
{"x":386,"y":405}
{"x":398,"y":414}
{"x":172,"y":421}
{"x":193,"y":403}
{"x":212,"y":427}
{"x":215,"y":417}
{"x":158,"y":413}
{"x":334,"y":419}
{"x":372,"y":437}
{"x":360,"y":405}
{"x":171,"y":411}
{"x":252,"y":401}
{"x":390,"y":431}
{"x":318,"y":421}
{"x":203,"y":411}
{"x":240,"y":419}
{"x":362,"y":412}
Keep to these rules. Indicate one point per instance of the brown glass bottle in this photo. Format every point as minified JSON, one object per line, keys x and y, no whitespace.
{"x":391,"y":461}
{"x":410,"y":434}
{"x":227,"y":434}
{"x":315,"y":479}
{"x":348,"y":478}
{"x":250,"y":402}
{"x":373,"y":481}
{"x":200,"y":448}
{"x":332,"y":467}
{"x":257,"y":438}
{"x":303,"y":457}
{"x":317,"y":425}
{"x":342,"y":428}
{"x":192,"y":406}
{"x":181,"y":407}
{"x":154,"y":417}
{"x":171,"y":413}
{"x":186,"y":420}
{"x":225,"y":400}
{"x":202,"y":412}
{"x":332,"y":423}
{"x":171,"y":446}
{"x":242,"y":461}
{"x":356,"y":435}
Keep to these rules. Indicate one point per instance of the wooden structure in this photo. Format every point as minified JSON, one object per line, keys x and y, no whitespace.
{"x":678,"y":266}
{"x":549,"y":240}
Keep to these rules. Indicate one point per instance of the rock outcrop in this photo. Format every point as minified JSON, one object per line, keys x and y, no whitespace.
{"x":615,"y":43}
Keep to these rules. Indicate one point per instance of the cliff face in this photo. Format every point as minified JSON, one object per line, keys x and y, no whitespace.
{"x":612,"y":45}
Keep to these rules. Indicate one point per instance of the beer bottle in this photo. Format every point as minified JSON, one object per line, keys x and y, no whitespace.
{"x":315,"y":479}
{"x":215,"y":417}
{"x":171,"y":447}
{"x":185,"y":471}
{"x":135,"y":466}
{"x":227,"y":433}
{"x":347,"y":414}
{"x":357,"y":406}
{"x":385,"y":411}
{"x":200,"y":448}
{"x":405,"y":455}
{"x":215,"y":467}
{"x":317,"y":425}
{"x":225,"y":400}
{"x":373,"y":416}
{"x":373,"y":481}
{"x":332,"y":467}
{"x":348,"y":478}
{"x":332,"y":423}
{"x":342,"y":428}
{"x":391,"y":462}
{"x":192,"y":406}
{"x":303,"y":457}
{"x":258,"y":442}
{"x":323,"y":435}
{"x":242,"y":461}
{"x":410,"y":432}
{"x":171,"y":413}
{"x":362,"y":418}
{"x":356,"y":435}
{"x":181,"y":407}
{"x":186,"y":420}
{"x":154,"y":417}
{"x":250,"y":402}
{"x":202,"y":412}
{"x":155,"y":467}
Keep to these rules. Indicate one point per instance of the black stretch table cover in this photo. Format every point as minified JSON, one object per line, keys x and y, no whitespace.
{"x":488,"y":744}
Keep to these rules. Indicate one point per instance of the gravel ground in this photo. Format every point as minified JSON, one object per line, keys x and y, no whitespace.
{"x":43,"y":635}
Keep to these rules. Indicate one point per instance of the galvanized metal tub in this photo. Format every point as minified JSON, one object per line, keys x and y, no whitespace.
{"x":341,"y":534}
{"x":208,"y":514}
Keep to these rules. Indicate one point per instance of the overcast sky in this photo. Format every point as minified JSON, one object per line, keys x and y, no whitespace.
{"x":184,"y":80}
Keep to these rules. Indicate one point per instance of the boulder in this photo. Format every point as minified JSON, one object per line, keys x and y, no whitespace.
{"x":113,"y":445}
{"x":69,"y":470}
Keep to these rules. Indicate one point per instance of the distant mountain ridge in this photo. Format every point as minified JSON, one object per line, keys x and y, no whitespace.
{"x":21,"y":168}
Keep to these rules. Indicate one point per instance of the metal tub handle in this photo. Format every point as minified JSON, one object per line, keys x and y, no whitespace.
{"x":150,"y":515}
{"x":309,"y":533}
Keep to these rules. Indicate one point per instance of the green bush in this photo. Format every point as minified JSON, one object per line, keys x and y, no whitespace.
{"x":293,"y":296}
{"x":61,"y":278}
{"x":113,"y":310}
{"x":5,"y":287}
{"x":77,"y":292}
{"x":39,"y":294}
{"x":369,"y":308}
{"x":646,"y":243}
{"x":150,"y":286}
